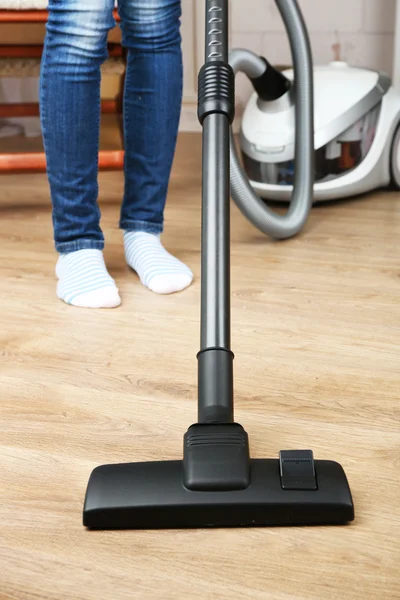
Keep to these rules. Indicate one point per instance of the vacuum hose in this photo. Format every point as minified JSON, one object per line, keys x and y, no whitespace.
{"x":252,"y":207}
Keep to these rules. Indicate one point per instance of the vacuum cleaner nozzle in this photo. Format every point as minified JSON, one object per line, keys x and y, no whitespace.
{"x":218,"y":485}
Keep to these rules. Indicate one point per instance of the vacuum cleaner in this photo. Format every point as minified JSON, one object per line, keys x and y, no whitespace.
{"x":217,"y":483}
{"x":357,"y":133}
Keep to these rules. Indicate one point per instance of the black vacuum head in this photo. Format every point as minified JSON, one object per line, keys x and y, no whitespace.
{"x":217,"y":485}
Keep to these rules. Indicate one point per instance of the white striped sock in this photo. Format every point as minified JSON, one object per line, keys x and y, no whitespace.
{"x":84,"y":280}
{"x":158,"y":270}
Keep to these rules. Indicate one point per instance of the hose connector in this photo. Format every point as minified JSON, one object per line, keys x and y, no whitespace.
{"x":216,"y":90}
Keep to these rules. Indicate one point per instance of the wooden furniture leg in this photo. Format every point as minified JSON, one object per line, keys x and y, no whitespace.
{"x":28,"y":162}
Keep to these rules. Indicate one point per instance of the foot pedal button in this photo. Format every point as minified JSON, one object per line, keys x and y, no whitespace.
{"x":297,"y":470}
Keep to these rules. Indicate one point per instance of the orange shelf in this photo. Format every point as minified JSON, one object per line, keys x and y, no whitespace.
{"x":29,"y":16}
{"x":36,"y":162}
{"x":35,"y":51}
{"x":31,"y":109}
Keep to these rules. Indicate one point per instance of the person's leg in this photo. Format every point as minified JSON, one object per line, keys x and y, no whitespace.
{"x":152,"y":106}
{"x":75,"y":47}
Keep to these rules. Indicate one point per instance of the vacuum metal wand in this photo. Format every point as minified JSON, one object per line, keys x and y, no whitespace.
{"x":216,"y":107}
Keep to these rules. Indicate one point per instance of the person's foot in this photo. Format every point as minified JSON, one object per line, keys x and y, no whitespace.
{"x":158,"y":270}
{"x":84,"y":280}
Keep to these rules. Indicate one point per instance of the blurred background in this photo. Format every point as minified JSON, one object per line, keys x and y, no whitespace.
{"x":360,"y":32}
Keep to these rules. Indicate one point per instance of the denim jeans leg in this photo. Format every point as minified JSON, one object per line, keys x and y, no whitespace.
{"x":75,"y":47}
{"x":152,"y":108}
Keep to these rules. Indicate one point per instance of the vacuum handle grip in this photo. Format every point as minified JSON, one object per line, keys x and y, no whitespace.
{"x":216,"y":31}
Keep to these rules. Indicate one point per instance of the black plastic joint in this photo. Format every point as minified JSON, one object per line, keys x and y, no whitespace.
{"x":216,"y":458}
{"x":272,"y":84}
{"x":297,"y":470}
{"x":216,"y":90}
{"x":215,"y":388}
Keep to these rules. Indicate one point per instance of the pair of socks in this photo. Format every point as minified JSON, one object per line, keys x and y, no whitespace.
{"x":83,"y":279}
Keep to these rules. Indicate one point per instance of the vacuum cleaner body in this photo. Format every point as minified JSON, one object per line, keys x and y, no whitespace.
{"x":356,"y":139}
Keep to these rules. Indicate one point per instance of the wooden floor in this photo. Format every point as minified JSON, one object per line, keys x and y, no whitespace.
{"x":316,"y":333}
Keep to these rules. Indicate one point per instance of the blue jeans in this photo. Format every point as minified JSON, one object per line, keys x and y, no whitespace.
{"x":75,"y":47}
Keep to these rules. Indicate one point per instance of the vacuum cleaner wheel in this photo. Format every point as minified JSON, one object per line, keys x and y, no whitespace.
{"x":395,"y":161}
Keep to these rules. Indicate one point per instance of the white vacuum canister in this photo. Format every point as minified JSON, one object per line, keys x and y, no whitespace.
{"x":356,"y":119}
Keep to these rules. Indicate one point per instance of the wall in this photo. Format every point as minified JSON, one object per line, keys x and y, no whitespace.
{"x":358,"y":31}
